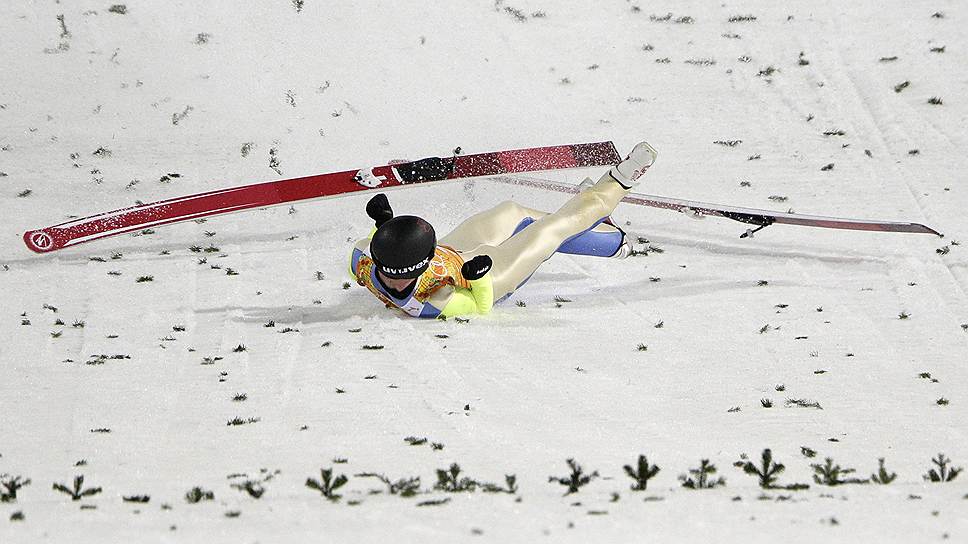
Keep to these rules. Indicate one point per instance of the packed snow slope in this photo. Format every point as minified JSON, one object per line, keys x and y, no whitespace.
{"x":234,"y":356}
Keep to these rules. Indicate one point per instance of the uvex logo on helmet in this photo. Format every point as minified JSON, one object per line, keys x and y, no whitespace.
{"x":406,"y":269}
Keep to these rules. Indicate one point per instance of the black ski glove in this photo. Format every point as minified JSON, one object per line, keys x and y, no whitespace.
{"x":378,"y":208}
{"x":476,"y":268}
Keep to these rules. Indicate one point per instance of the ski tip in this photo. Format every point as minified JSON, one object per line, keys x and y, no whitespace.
{"x":39,"y":241}
{"x":928,"y":230}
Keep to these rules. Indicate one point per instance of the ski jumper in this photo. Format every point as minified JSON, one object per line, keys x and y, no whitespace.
{"x":518,"y":240}
{"x":440,"y":290}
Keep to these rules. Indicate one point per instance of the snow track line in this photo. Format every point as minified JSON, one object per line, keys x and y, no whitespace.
{"x":874,"y":120}
{"x":961,"y":285}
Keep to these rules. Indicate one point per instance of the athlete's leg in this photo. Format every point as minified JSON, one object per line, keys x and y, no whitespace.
{"x":490,"y":227}
{"x":516,"y":259}
{"x":494,"y":226}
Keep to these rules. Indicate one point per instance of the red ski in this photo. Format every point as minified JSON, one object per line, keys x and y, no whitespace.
{"x":752,"y":216}
{"x":273,"y":193}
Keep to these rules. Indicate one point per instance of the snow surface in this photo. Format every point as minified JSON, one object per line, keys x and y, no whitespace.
{"x":182,"y":87}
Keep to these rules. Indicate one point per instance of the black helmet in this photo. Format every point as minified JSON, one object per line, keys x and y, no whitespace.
{"x":403,"y":246}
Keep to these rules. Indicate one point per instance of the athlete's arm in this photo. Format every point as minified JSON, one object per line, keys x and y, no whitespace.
{"x":359,"y":249}
{"x":378,"y":209}
{"x":477,"y":300}
{"x":480,"y":297}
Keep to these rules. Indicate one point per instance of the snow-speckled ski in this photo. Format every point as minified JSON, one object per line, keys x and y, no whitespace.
{"x":760,"y":218}
{"x":330,"y":185}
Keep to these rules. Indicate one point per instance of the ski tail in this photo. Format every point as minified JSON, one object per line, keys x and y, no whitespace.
{"x":274,"y":193}
{"x":752,"y":216}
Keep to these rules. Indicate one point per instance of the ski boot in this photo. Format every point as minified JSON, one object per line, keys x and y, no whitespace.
{"x":628,"y":172}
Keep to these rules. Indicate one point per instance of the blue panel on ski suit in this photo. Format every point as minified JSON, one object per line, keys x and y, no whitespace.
{"x":589,"y":242}
{"x":355,"y":261}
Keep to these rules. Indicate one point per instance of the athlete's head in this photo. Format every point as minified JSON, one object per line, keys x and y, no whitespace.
{"x":403,"y":246}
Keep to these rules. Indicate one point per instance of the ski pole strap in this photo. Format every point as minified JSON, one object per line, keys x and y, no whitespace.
{"x":750,"y":232}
